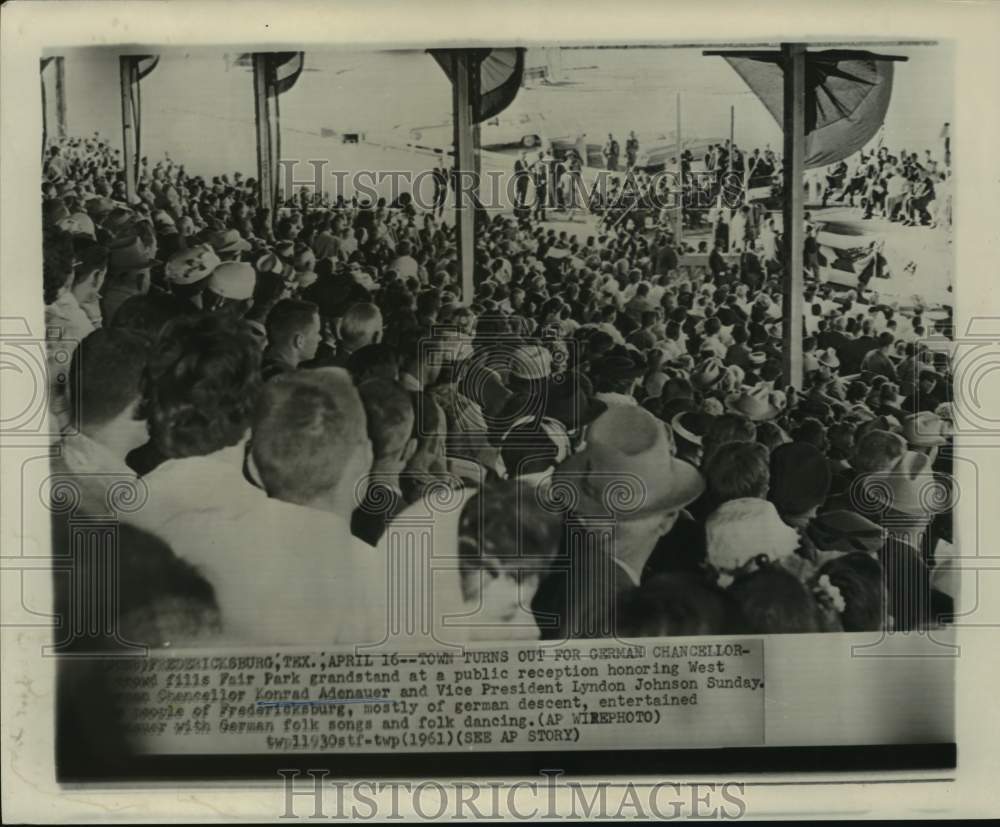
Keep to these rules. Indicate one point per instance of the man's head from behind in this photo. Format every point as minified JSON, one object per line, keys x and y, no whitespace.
{"x":310,"y":441}
{"x":738,"y":469}
{"x":293,"y":329}
{"x":361,"y":325}
{"x":104,"y":380}
{"x":390,"y":417}
{"x":200,"y":384}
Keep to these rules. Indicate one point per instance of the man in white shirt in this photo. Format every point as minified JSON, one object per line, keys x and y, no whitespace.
{"x":282,"y":571}
{"x":105,"y":425}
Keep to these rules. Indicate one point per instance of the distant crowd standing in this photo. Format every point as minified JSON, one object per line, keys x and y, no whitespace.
{"x":617,"y":447}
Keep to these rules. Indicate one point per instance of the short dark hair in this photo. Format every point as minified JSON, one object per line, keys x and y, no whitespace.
{"x":774,"y":601}
{"x":90,"y":257}
{"x":288,"y":318}
{"x":105,"y":375}
{"x":885,"y":339}
{"x":305,"y":423}
{"x":728,"y":427}
{"x":858,"y":577}
{"x":57,"y":262}
{"x":200,"y":385}
{"x":374,"y":361}
{"x":148,"y":313}
{"x":738,"y":469}
{"x":678,"y":603}
{"x":389,"y":413}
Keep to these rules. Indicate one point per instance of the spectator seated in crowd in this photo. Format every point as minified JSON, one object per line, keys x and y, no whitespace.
{"x":286,"y":394}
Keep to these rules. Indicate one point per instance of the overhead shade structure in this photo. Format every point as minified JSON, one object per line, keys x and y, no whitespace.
{"x":500,"y":73}
{"x":484,"y":82}
{"x":847,"y":95}
{"x":274,"y":73}
{"x":132,"y":69}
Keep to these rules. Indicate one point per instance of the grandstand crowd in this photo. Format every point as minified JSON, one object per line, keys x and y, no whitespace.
{"x":602,"y":435}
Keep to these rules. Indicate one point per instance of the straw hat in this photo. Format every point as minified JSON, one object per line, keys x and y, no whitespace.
{"x":755,"y":404}
{"x":909,"y":488}
{"x":628,"y":468}
{"x":79,"y":224}
{"x":708,"y":373}
{"x":233,"y":280}
{"x":828,"y":358}
{"x":191,"y":265}
{"x":228,"y":241}
{"x":925,"y":430}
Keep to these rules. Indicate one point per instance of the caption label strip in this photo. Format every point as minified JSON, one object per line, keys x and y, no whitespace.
{"x":578,"y":696}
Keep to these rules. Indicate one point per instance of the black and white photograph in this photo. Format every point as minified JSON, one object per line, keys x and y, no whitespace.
{"x":433,"y":410}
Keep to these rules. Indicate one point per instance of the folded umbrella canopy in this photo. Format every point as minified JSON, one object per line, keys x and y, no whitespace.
{"x":500,"y":73}
{"x":847,"y":95}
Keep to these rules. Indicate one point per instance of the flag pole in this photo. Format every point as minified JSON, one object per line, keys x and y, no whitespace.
{"x":262,"y":122}
{"x":793,"y":214}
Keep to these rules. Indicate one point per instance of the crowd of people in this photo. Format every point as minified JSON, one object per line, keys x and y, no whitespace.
{"x":608,"y":445}
{"x":908,"y":188}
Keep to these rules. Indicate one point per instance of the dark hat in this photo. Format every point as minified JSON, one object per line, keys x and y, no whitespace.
{"x":672,"y":407}
{"x":814,"y":407}
{"x":726,"y":317}
{"x":845,"y":531}
{"x":569,"y":398}
{"x":800,"y":478}
{"x":619,"y":363}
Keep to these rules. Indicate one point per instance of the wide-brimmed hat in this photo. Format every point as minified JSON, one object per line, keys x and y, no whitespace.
{"x":120,"y":222}
{"x":164,"y":223}
{"x":756,"y":404}
{"x":531,"y":362}
{"x":233,"y":280}
{"x":269,"y":263}
{"x":619,"y":363}
{"x":99,"y":207}
{"x":628,"y":469}
{"x":129,"y":253}
{"x":925,"y":430}
{"x":79,"y":224}
{"x":743,"y":529}
{"x":828,"y":358}
{"x":192,"y":265}
{"x":690,"y":426}
{"x":909,"y":488}
{"x":708,"y":373}
{"x":845,"y":531}
{"x":228,"y":241}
